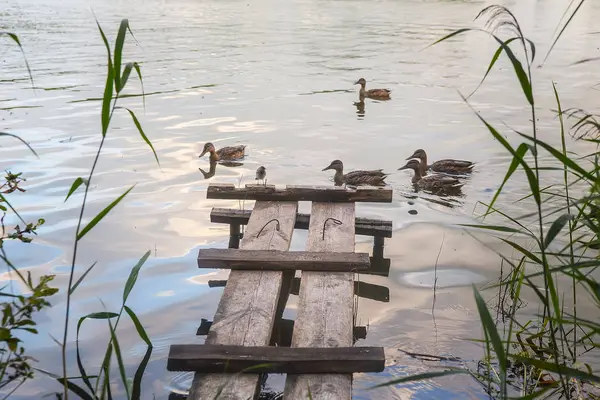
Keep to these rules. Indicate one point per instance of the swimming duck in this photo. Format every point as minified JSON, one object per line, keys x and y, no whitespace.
{"x":226,"y":153}
{"x":261,"y":175}
{"x":379,"y":94}
{"x":447,"y":166}
{"x":437,"y":184}
{"x":374,"y":177}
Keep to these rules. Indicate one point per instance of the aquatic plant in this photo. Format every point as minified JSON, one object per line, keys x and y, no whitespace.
{"x":540,"y":358}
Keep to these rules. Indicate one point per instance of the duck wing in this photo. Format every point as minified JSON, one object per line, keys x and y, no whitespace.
{"x":364,"y":178}
{"x":232,"y":152}
{"x":452,"y":166}
{"x":382,"y":93}
{"x":372,"y":172}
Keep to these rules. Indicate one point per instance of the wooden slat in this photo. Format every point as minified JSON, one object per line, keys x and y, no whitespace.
{"x":325,"y":305}
{"x":363,"y":226}
{"x":279,"y":360}
{"x":300,"y":193}
{"x":282,"y":330}
{"x":361,"y":289}
{"x":260,"y":260}
{"x":246,"y":311}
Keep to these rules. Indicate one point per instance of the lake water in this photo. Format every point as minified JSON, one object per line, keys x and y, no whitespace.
{"x":278,"y":77}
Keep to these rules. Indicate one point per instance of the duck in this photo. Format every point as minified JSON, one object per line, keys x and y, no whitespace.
{"x":225,"y":153}
{"x":261,"y":175}
{"x":374,"y":177}
{"x":447,"y":166}
{"x":435,"y":183}
{"x":379,"y":94}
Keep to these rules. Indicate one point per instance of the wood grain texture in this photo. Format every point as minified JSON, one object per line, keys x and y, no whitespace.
{"x":325,"y":305}
{"x":247,"y":308}
{"x":260,"y":260}
{"x":371,"y":194}
{"x":278,"y":360}
{"x":363,"y":226}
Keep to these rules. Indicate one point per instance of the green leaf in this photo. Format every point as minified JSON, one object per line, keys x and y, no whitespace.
{"x":120,"y":42}
{"x":102,"y":214}
{"x":518,"y":68}
{"x":492,"y":333}
{"x":82,"y":278}
{"x":76,"y":183}
{"x":556,"y":227}
{"x":492,"y":62}
{"x":422,"y":376}
{"x":142,"y":134}
{"x":108,"y":87}
{"x":456,"y":32}
{"x":117,"y":348}
{"x":22,"y":141}
{"x":139,"y":73}
{"x":562,"y":30}
{"x":133,"y":275}
{"x":138,"y":326}
{"x":520,"y":153}
{"x":136,"y":389}
{"x":15,"y":39}
{"x":558,"y":369}
{"x":126,"y":73}
{"x":498,"y":228}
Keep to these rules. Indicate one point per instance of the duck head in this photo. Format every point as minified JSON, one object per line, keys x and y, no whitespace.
{"x":361,"y":82}
{"x":335,"y":165}
{"x":420,"y":154}
{"x":412,"y":164}
{"x":208,"y":147}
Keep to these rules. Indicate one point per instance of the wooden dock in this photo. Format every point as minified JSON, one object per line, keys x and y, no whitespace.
{"x":248,"y":336}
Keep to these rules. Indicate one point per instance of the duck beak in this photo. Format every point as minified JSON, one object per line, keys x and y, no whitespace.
{"x":203,"y":153}
{"x":325,"y":169}
{"x":405,"y":167}
{"x":357,"y":82}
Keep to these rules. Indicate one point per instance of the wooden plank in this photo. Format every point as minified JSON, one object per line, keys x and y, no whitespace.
{"x":325,"y":305}
{"x":371,"y":194}
{"x":246,"y":311}
{"x":282,"y":331}
{"x":260,"y":260}
{"x":363,"y":226}
{"x":279,"y":360}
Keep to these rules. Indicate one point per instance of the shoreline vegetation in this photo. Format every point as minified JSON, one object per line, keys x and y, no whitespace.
{"x":524,"y":358}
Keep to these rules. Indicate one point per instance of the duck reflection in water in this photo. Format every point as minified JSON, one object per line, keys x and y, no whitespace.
{"x":360,"y":107}
{"x":213,"y":167}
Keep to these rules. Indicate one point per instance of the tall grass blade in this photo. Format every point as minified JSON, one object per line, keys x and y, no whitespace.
{"x":87,"y":271}
{"x":136,"y":389}
{"x":120,"y":42}
{"x":456,"y":32}
{"x":78,"y":390}
{"x":15,"y":39}
{"x":520,"y":153}
{"x":22,"y":141}
{"x":133,"y":275}
{"x":491,"y":65}
{"x":556,"y":368}
{"x":102,"y":214}
{"x":562,"y":30}
{"x":142,"y":134}
{"x":74,"y":186}
{"x":139,"y":73}
{"x":108,"y":87}
{"x":422,"y":376}
{"x":555,"y":228}
{"x":492,"y":332}
{"x":523,"y":251}
{"x":518,"y":68}
{"x":117,"y":348}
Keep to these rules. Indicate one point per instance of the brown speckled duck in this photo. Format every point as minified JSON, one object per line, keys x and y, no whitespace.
{"x":447,"y":166}
{"x":225,"y":153}
{"x":378,"y":94}
{"x":374,"y":177}
{"x":435,"y":183}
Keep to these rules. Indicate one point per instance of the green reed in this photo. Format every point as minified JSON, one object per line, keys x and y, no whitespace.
{"x":540,"y":358}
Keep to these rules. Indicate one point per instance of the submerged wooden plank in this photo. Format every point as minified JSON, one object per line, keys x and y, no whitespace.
{"x":363,"y":226}
{"x":325,"y":304}
{"x":279,"y":360}
{"x":301,"y":193}
{"x":260,"y":260}
{"x":361,"y":289}
{"x":246,"y":311}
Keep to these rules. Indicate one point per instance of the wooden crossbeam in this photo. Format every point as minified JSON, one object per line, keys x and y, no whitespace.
{"x":370,"y":194}
{"x":257,"y":260}
{"x":283,"y":331}
{"x":279,"y":360}
{"x":363,"y":226}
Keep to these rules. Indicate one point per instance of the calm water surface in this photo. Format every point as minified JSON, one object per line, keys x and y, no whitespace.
{"x":278,"y":77}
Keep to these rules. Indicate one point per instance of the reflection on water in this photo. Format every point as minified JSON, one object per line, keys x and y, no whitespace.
{"x":277,"y":76}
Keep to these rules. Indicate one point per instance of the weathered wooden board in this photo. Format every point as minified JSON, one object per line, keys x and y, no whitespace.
{"x":371,"y":194}
{"x":246,"y":311}
{"x":363,"y":226}
{"x":260,"y":260}
{"x":279,"y":360}
{"x":325,"y":305}
{"x":282,"y":331}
